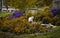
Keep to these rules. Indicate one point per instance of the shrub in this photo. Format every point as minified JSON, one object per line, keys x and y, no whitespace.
{"x":55,"y":20}
{"x":46,"y":20}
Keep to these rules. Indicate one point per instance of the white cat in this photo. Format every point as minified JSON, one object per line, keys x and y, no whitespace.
{"x":30,"y":19}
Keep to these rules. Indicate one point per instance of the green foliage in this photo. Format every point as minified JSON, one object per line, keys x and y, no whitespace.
{"x":20,"y":4}
{"x":48,"y":2}
{"x":42,"y":3}
{"x":40,"y":16}
{"x":56,"y":21}
{"x":4,"y":14}
{"x":23,"y":4}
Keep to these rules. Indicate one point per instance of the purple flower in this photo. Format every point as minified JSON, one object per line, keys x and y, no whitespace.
{"x":16,"y":14}
{"x":55,"y":11}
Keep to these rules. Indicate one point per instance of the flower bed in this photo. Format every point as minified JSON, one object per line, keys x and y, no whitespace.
{"x":19,"y":25}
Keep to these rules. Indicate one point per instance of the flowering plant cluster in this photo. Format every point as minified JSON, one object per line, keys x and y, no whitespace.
{"x":19,"y":25}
